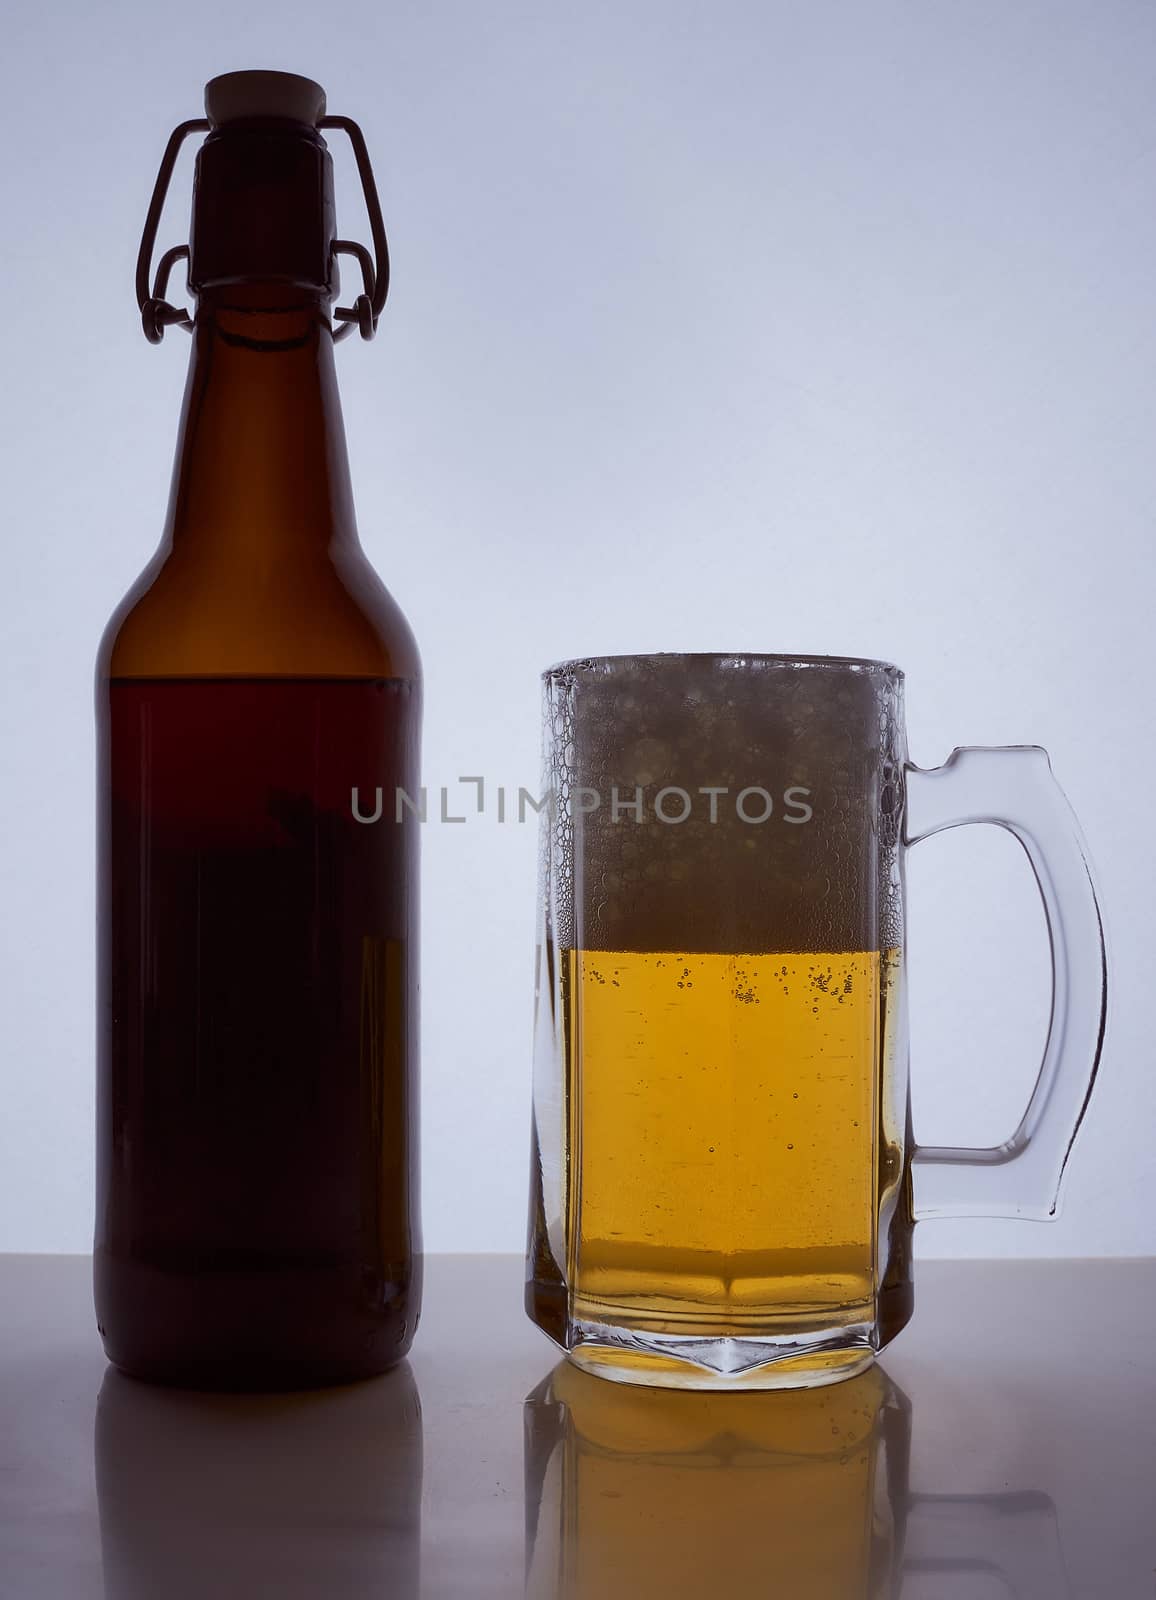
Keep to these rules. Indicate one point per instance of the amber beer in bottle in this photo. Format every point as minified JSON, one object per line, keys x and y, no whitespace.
{"x":258,"y":705}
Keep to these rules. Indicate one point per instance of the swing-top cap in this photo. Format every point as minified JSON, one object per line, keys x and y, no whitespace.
{"x":235,"y":96}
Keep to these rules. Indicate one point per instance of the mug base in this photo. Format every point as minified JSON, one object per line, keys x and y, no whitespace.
{"x":735,"y":1364}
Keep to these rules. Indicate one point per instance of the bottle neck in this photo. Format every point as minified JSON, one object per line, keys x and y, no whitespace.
{"x":261,"y":466}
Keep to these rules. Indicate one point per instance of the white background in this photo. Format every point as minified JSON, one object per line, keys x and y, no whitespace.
{"x":823,"y":327}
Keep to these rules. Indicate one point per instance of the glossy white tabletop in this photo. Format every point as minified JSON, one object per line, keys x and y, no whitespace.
{"x":1009,"y":1449}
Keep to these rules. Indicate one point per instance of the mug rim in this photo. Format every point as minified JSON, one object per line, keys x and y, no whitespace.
{"x":736,"y":658}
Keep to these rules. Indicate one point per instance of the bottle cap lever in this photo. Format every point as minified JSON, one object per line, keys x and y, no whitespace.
{"x":155,"y":311}
{"x":367,"y":308}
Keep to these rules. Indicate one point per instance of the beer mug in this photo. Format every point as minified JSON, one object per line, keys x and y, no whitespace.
{"x":724,"y":1178}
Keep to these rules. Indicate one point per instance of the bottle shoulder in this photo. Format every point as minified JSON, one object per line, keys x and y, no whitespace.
{"x":330,"y":616}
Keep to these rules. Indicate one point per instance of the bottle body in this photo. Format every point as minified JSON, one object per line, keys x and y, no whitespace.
{"x":258,"y":713}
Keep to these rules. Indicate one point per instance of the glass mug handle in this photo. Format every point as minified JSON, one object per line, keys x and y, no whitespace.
{"x":1014,"y":787}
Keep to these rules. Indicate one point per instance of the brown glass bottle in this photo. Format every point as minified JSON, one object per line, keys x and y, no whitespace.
{"x":256,"y":1208}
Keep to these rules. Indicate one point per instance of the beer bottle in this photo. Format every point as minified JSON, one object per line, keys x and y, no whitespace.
{"x":258,"y":704}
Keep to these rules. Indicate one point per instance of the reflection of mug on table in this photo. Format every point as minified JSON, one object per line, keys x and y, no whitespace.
{"x":635,"y":1491}
{"x":639,"y":1491}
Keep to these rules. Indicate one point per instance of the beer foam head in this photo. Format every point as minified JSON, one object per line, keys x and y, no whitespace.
{"x":726,"y":803}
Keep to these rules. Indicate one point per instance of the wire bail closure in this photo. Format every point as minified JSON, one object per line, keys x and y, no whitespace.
{"x":366,"y":309}
{"x":157,"y":313}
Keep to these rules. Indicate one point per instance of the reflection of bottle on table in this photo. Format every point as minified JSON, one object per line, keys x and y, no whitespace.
{"x":306,"y":1496}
